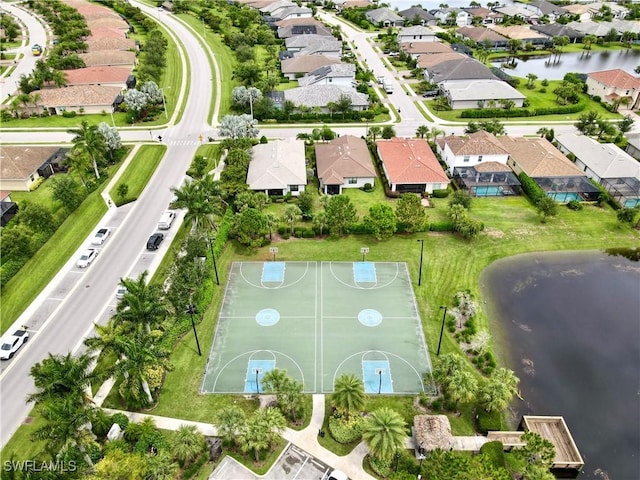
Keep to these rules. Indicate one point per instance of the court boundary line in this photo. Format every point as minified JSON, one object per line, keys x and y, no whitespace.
{"x":357,"y":287}
{"x":320,"y":332}
{"x":421,"y":327}
{"x":282,"y":284}
{"x":315,"y":326}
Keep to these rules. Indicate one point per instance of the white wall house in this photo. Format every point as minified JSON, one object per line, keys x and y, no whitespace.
{"x":477,"y":148}
{"x":278,"y":167}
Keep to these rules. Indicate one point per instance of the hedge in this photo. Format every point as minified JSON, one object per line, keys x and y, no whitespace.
{"x":494,"y":452}
{"x":489,"y":421}
{"x":531,"y":188}
{"x":443,"y":226}
{"x":346,"y":431}
{"x":522,"y":112}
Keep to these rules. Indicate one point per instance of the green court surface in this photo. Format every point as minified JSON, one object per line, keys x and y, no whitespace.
{"x":317,"y":321}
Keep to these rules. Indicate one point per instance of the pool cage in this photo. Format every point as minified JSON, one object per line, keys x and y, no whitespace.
{"x":484,"y":183}
{"x":625,"y":191}
{"x":566,"y":189}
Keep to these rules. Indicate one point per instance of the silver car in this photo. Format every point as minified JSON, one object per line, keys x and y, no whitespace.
{"x":88,"y":256}
{"x":100,"y":236}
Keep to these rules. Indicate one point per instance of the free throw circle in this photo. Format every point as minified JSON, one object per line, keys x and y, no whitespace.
{"x":369,"y":317}
{"x":267,"y":317}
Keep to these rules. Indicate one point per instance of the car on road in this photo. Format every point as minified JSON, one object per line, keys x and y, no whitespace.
{"x":88,"y":256}
{"x":121,"y":291}
{"x":100,"y":236}
{"x":166,"y":220}
{"x":154,"y":241}
{"x":12,"y":343}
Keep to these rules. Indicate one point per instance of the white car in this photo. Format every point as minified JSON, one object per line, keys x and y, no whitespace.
{"x":12,"y":343}
{"x":100,"y":236}
{"x":88,"y":256}
{"x":337,"y":475}
{"x":121,"y":291}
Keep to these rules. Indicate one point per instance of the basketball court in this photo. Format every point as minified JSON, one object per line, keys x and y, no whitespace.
{"x":317,"y":321}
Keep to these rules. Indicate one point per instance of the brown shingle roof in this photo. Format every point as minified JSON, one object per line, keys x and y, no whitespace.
{"x":93,"y":12}
{"x":306,"y":63}
{"x":425,"y":48}
{"x":109,"y":43}
{"x":108,"y":22}
{"x":82,"y":95}
{"x":344,"y":157}
{"x":97,"y":75}
{"x":617,"y":78}
{"x":428,"y":61}
{"x":538,"y":157}
{"x":518,"y":32}
{"x":18,"y":162}
{"x":410,"y":161}
{"x":481,"y":34}
{"x":109,"y":57}
{"x":106,"y":32}
{"x":478,"y":143}
{"x":298,"y":21}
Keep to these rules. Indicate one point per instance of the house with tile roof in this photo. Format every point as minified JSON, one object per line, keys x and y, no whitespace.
{"x":299,"y":65}
{"x":517,"y":11}
{"x":559,"y":30}
{"x":344,"y":162}
{"x":98,"y":44}
{"x":271,"y":6}
{"x":431,"y":61}
{"x":455,"y":16}
{"x":21,"y":166}
{"x":112,"y":58}
{"x":606,"y":163}
{"x":416,"y":33}
{"x":109,"y":76}
{"x":106,"y":32}
{"x":468,"y":151}
{"x":416,"y":49}
{"x":298,"y":21}
{"x":548,"y":9}
{"x":477,"y":93}
{"x":341,"y":74}
{"x":304,"y":29}
{"x":558,"y":176}
{"x":384,"y":17}
{"x":458,"y":69}
{"x":487,"y":16}
{"x":613,"y":85}
{"x":410,"y":166}
{"x":116,"y":23}
{"x":522,"y":33}
{"x":321,"y":95}
{"x":483,"y":36}
{"x":418,"y":16}
{"x":81,"y":99}
{"x":287,"y":12}
{"x":278,"y":167}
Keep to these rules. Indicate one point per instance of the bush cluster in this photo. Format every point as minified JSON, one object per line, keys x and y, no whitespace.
{"x":530,"y":188}
{"x":522,"y":112}
{"x":345,"y":431}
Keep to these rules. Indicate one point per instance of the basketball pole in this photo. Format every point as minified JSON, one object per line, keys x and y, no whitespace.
{"x":380,"y":382}
{"x":441,"y":329}
{"x":257,"y":384}
{"x":421,"y":252}
{"x":191,"y":309}
{"x":213,"y":256}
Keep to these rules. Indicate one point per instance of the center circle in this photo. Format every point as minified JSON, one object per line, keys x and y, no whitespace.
{"x":267,"y":317}
{"x":369,"y":317}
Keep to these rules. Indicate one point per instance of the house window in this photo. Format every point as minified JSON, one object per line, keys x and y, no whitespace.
{"x":353,"y":181}
{"x":479,"y":158}
{"x":293,"y":188}
{"x":466,"y":159}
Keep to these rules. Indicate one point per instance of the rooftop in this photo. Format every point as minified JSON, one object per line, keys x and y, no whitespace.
{"x":18,"y":162}
{"x":410,"y":161}
{"x":538,"y":157}
{"x":617,"y":78}
{"x":344,"y":157}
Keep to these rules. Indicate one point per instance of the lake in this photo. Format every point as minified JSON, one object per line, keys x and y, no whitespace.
{"x":568,"y":324}
{"x":543,"y":67}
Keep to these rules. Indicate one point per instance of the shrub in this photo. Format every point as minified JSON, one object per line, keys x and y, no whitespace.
{"x":367,"y":187}
{"x":381,"y":467}
{"x":574,"y":205}
{"x":489,"y":421}
{"x":531,"y":188}
{"x":545,"y":83}
{"x":346,"y":431}
{"x":308,"y":233}
{"x":68,"y":114}
{"x":494,"y":451}
{"x":444,"y":226}
{"x":543,"y":90}
{"x":297,"y":232}
{"x":443,"y":193}
{"x":121,"y":419}
{"x":282,"y":229}
{"x":192,"y":469}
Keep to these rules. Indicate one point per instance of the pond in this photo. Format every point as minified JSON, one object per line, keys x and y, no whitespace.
{"x":546,"y":67}
{"x":568,"y":324}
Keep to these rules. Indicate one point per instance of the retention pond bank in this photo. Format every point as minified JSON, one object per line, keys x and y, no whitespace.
{"x":568,"y":324}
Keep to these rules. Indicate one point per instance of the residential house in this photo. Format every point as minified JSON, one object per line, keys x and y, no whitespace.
{"x":116,"y":23}
{"x":470,"y":151}
{"x":483,"y":36}
{"x":409,"y":165}
{"x":112,"y":58}
{"x":516,"y":11}
{"x":98,"y":44}
{"x":319,"y":96}
{"x":384,"y":17}
{"x":8,"y":208}
{"x":298,"y":21}
{"x":416,"y":49}
{"x":304,"y":29}
{"x":589,"y":10}
{"x":314,"y":45}
{"x":287,"y":12}
{"x":269,"y":7}
{"x":418,"y":16}
{"x":22,"y":166}
{"x":80,"y":99}
{"x":278,"y":168}
{"x":614,"y":85}
{"x":606,"y":163}
{"x":486,"y":16}
{"x":452,"y":16}
{"x":91,"y":11}
{"x":633,"y":145}
{"x":342,"y":4}
{"x":341,"y":74}
{"x":299,"y":65}
{"x":559,"y":30}
{"x":546,"y":9}
{"x":458,"y":69}
{"x":602,"y":29}
{"x":522,"y":33}
{"x":344,"y":162}
{"x":431,"y":61}
{"x":549,"y":168}
{"x":481,"y":93}
{"x":108,"y":76}
{"x":416,"y":33}
{"x":106,"y":32}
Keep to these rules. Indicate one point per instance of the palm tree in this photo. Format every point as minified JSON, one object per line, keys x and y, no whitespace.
{"x":229,"y":422}
{"x":348,"y":394}
{"x":320,"y":220}
{"x":288,"y":390}
{"x":422,"y":130}
{"x":588,"y":40}
{"x":261,"y":430}
{"x":187,"y":444}
{"x":462,"y":387}
{"x":374,"y":132}
{"x":89,"y":139}
{"x":141,"y":305}
{"x":384,"y":432}
{"x":291,"y":214}
{"x":531,"y":79}
{"x":498,"y":391}
{"x":448,"y":364}
{"x":80,"y":161}
{"x":198,"y":198}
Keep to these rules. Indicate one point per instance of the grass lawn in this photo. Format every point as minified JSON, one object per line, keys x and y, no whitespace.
{"x":138,"y":172}
{"x":20,"y":444}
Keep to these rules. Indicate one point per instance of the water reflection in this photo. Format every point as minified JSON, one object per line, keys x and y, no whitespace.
{"x":632,"y":254}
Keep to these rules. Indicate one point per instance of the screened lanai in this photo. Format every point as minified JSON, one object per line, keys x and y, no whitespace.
{"x":566,"y":189}
{"x":625,"y":191}
{"x":487,"y":179}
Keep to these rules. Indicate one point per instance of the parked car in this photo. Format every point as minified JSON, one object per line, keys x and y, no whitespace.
{"x":166,"y":220}
{"x":154,"y":241}
{"x":121,"y":291}
{"x":100,"y":236}
{"x":337,"y":475}
{"x":88,"y":256}
{"x":12,"y":343}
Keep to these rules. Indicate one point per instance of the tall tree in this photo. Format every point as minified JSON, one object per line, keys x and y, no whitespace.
{"x":422,"y":130}
{"x":381,"y":221}
{"x":187,"y":443}
{"x":410,"y":213}
{"x":199,"y":198}
{"x":341,"y":214}
{"x":261,"y":430}
{"x":142,"y":305}
{"x":238,"y":126}
{"x":496,"y":393}
{"x":348,"y":394}
{"x":462,"y":387}
{"x":384,"y":432}
{"x":229,"y":421}
{"x":291,"y":214}
{"x":88,"y":138}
